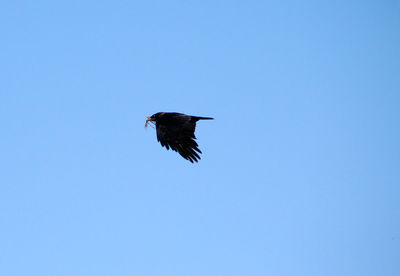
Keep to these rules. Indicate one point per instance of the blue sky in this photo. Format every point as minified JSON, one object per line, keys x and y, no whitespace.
{"x":300,"y":169}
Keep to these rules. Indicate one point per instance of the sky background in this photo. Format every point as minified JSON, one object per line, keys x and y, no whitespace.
{"x":300,"y":169}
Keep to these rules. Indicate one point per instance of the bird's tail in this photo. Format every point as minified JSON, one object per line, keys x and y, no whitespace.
{"x":202,"y":118}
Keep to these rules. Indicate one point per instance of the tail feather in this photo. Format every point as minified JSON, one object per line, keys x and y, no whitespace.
{"x":202,"y":118}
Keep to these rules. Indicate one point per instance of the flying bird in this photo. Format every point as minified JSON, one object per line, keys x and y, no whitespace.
{"x":176,"y":131}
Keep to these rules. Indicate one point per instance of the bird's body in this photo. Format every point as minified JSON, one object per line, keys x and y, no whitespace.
{"x":176,"y":131}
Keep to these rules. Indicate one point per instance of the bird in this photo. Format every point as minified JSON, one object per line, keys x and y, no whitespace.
{"x":176,"y":131}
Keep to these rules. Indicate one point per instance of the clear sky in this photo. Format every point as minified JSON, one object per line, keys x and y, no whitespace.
{"x":300,"y":169}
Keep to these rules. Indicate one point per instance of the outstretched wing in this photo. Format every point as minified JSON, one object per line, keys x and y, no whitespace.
{"x":178,"y":134}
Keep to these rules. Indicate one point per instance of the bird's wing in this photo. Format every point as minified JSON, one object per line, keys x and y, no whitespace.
{"x":178,"y":134}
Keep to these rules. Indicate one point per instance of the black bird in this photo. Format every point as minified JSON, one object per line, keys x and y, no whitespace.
{"x":176,"y":131}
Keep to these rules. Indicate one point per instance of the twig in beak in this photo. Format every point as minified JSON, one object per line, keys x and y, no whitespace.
{"x":148,"y":120}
